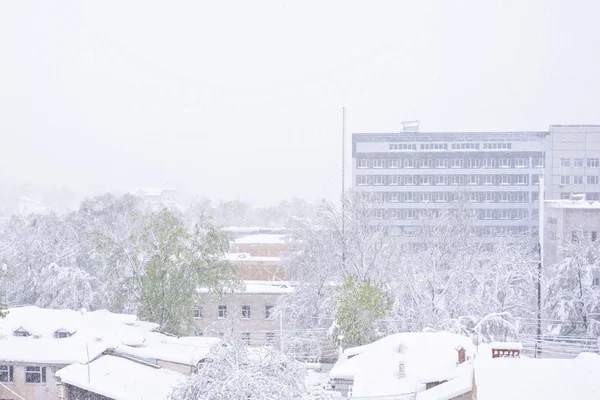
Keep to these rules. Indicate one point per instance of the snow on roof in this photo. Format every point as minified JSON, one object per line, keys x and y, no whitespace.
{"x":461,"y":384}
{"x":248,"y":258}
{"x":506,"y":345}
{"x":122,"y":379}
{"x":184,"y":350}
{"x":261,"y":287}
{"x":263,"y":238}
{"x":89,"y":331}
{"x":375,"y":367}
{"x":538,"y":378}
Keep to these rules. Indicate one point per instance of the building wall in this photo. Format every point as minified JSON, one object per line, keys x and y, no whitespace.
{"x":561,"y":222}
{"x":260,"y":249}
{"x":74,"y":393}
{"x":257,"y":325}
{"x":181,"y":368}
{"x":31,"y":391}
{"x":258,"y":270}
{"x":580,"y":145}
{"x":408,"y":173}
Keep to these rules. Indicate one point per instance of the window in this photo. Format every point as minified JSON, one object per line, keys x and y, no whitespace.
{"x":21,"y":332}
{"x":377,"y":197}
{"x":488,"y":197}
{"x":574,"y":237}
{"x":394,"y":163}
{"x":592,"y":179}
{"x":245,"y":312}
{"x":6,"y":373}
{"x":425,"y":162}
{"x":472,"y":179}
{"x":594,"y":236}
{"x":393,"y":197}
{"x":565,"y":180}
{"x":503,"y":197}
{"x":565,"y":162}
{"x":410,"y":214}
{"x":425,"y":180}
{"x":441,"y":163}
{"x":378,"y":163}
{"x":538,"y":162}
{"x":363,"y":163}
{"x":474,"y":197}
{"x":457,"y":179}
{"x":488,"y":179}
{"x":473,"y":162}
{"x":426,"y":197}
{"x":269,"y":338}
{"x":578,"y":162}
{"x":377,"y":214}
{"x":410,"y":163}
{"x":504,"y":162}
{"x":521,"y":197}
{"x":222,"y":311}
{"x":61,"y":334}
{"x":593,"y":162}
{"x":535,"y":197}
{"x":409,"y":197}
{"x":403,"y":146}
{"x":456,"y":163}
{"x":362,"y":180}
{"x":246,"y":338}
{"x":35,"y":374}
{"x":592,"y":196}
{"x":535,"y":179}
{"x":504,"y":179}
{"x":521,"y":162}
{"x":394,"y":180}
{"x":578,"y":180}
{"x":198,"y":312}
{"x":565,"y":196}
{"x":409,"y":180}
{"x":488,"y":163}
{"x":497,"y":146}
{"x":379,"y":180}
{"x":441,"y":197}
{"x":487,"y":214}
{"x":521,"y":179}
{"x":441,"y":179}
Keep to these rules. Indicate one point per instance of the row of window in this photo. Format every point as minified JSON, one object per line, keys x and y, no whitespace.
{"x":580,"y":162}
{"x":471,"y":162}
{"x":269,"y":338}
{"x":408,"y":214}
{"x":588,"y":196}
{"x":453,"y":180}
{"x":245,"y":312}
{"x":32,"y":374}
{"x":453,"y":146}
{"x":578,"y":180}
{"x":480,"y":231}
{"x":453,"y":197}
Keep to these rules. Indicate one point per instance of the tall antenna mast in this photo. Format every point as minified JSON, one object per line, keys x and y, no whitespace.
{"x":343,"y":186}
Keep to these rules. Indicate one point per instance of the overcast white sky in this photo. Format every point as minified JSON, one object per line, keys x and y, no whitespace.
{"x":242,"y":99}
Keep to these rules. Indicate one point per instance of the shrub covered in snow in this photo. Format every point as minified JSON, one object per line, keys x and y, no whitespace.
{"x":235,"y":372}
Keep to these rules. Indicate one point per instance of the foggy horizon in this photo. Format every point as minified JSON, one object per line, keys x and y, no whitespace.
{"x":245,"y":102}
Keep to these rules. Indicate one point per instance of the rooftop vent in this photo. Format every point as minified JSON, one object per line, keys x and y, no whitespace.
{"x":410,"y":126}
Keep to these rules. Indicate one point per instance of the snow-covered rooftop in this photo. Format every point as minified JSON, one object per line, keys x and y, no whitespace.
{"x":122,"y":379}
{"x":92,"y":332}
{"x":246,"y":257}
{"x":263,"y":238}
{"x":182,"y":350}
{"x":261,"y":287}
{"x":375,"y":367}
{"x":535,"y":378}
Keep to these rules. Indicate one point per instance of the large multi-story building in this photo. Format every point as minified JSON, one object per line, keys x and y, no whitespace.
{"x":497,"y":174}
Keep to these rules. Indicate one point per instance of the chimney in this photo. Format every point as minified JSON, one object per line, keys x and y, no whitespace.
{"x":410,"y":126}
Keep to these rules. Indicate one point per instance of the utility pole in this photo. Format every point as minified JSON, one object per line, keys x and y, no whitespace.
{"x":343,"y":186}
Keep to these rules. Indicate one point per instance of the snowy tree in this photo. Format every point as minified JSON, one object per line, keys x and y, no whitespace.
{"x":573,"y":294}
{"x":236,"y":372}
{"x":496,"y":327}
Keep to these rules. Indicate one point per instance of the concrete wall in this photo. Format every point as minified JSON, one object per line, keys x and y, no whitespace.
{"x":31,"y":391}
{"x":257,"y":325}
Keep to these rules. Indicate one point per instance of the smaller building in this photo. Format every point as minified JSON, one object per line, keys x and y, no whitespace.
{"x":404,"y":365}
{"x":568,"y":221}
{"x":247,"y":313}
{"x":117,"y":378}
